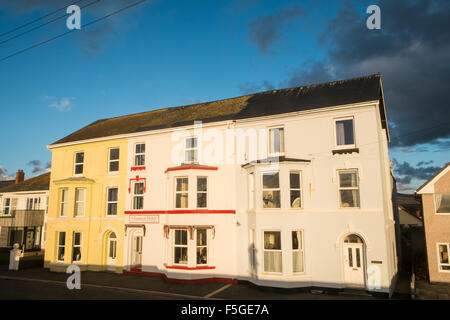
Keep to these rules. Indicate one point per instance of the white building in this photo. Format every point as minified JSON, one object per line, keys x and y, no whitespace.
{"x":23,"y":208}
{"x":285,"y":188}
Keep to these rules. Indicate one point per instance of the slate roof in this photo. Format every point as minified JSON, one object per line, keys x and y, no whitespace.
{"x":4,"y":183}
{"x":38,"y":183}
{"x":367,"y":88}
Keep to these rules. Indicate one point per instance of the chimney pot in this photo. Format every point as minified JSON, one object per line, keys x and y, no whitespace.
{"x":20,"y":176}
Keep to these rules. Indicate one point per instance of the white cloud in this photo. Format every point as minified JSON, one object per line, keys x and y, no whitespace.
{"x":4,"y":175}
{"x":62,"y":105}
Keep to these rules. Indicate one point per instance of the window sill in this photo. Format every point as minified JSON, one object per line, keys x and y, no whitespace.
{"x":345,"y":150}
{"x":181,"y":267}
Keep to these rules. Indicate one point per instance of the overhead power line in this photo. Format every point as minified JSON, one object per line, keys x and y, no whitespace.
{"x":70,"y":31}
{"x":37,"y":19}
{"x":44,"y":24}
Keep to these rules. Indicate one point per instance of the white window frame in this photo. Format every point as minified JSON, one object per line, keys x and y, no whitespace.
{"x":63,"y":204}
{"x":272,"y":250}
{"x":344,"y":146}
{"x":181,"y":246}
{"x":186,"y":149}
{"x":436,"y":208}
{"x":138,"y":195}
{"x":300,"y":189}
{"x":77,"y":203}
{"x":59,"y":245}
{"x":301,"y":248}
{"x":197,"y":246}
{"x":439,"y":257}
{"x":181,"y":192}
{"x":112,"y":202}
{"x":78,"y":246}
{"x":7,"y":206}
{"x":348,"y":188}
{"x":136,"y":154}
{"x":78,"y":163}
{"x":251,"y":191}
{"x":197,"y":192}
{"x":33,"y":203}
{"x":113,"y":160}
{"x":282,"y":145}
{"x":270,"y":189}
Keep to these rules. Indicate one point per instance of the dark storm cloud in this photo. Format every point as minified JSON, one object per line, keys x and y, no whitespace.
{"x":37,"y":166}
{"x":411,"y":51}
{"x":266,"y":30}
{"x":405,"y":172}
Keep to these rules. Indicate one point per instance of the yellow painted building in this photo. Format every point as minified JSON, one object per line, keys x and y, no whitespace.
{"x":85,"y":223}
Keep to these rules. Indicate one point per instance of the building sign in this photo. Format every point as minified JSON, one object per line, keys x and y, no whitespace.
{"x":154,"y":218}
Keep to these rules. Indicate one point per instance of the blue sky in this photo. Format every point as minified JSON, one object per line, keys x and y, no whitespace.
{"x":169,"y":53}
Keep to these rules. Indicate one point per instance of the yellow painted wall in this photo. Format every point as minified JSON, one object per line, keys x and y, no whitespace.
{"x":95,"y":224}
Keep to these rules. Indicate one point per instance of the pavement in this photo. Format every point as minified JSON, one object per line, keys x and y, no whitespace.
{"x":429,"y":291}
{"x":39,"y":283}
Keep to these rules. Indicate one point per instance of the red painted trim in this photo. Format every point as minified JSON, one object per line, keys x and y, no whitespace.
{"x":191,"y":168}
{"x":185,"y":281}
{"x":137,"y":168}
{"x":137,"y":180}
{"x":204,"y":211}
{"x":188,"y":268}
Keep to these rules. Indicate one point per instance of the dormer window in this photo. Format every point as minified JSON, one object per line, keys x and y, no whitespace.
{"x":79,"y":162}
{"x":345,"y":136}
{"x":276,"y":141}
{"x":190,"y":151}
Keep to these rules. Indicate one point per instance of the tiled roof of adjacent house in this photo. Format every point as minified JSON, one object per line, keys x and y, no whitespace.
{"x":4,"y":183}
{"x":266,"y":103}
{"x":37,"y":183}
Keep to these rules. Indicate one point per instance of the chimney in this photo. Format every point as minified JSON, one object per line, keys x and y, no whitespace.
{"x":20,"y":176}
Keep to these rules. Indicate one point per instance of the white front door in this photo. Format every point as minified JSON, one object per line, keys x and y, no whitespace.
{"x":137,"y":252}
{"x":112,"y":250}
{"x":354,"y":265}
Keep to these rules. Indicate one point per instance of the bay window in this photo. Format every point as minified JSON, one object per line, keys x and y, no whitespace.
{"x":63,"y":202}
{"x":272,"y":252}
{"x":181,"y":192}
{"x":295,"y":189}
{"x":180,"y":246}
{"x":297,"y":252}
{"x":271,"y":190}
{"x":61,"y":246}
{"x":80,"y":198}
{"x":76,"y":248}
{"x":202,"y":192}
{"x":202,"y":248}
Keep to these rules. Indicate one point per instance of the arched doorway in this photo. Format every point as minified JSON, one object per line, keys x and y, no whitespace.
{"x":111,"y":252}
{"x":354,"y":261}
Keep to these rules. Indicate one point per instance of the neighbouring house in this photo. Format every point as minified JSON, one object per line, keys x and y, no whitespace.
{"x":283,"y":188}
{"x":23,"y":207}
{"x":86,"y":203}
{"x":436,"y":212}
